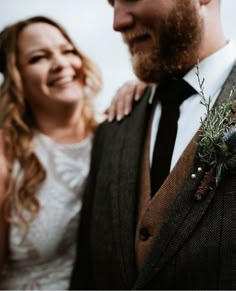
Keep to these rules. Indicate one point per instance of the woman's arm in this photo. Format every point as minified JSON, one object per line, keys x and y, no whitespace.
{"x":3,"y":223}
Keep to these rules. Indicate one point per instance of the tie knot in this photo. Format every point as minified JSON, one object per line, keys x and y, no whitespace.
{"x":174,"y":91}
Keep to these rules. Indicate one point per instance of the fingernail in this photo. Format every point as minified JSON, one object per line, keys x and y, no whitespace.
{"x":127,"y":111}
{"x":137,"y":97}
{"x":110,"y":118}
{"x":119,"y":117}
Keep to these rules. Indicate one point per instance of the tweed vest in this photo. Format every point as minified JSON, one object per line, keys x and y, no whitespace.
{"x":153,"y":212}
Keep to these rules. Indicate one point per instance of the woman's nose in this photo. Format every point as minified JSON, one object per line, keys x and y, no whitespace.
{"x":59,"y":61}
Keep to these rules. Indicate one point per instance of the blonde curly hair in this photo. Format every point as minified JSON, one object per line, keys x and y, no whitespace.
{"x":17,"y":121}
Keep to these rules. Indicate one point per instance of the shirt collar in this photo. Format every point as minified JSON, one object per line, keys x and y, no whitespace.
{"x":214,"y":70}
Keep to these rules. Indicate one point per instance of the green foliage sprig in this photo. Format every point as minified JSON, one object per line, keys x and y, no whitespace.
{"x":217,"y":133}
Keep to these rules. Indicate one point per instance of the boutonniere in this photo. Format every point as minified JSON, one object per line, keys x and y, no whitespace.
{"x":217,"y":144}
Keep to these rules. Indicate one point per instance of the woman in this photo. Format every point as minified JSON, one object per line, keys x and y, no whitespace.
{"x":47,"y":126}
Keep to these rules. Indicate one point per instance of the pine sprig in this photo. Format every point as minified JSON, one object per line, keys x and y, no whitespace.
{"x":215,"y":126}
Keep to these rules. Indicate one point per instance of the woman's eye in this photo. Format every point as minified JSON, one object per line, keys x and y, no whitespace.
{"x":35,"y":59}
{"x":70,"y":51}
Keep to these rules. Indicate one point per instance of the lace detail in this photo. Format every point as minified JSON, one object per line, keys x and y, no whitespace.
{"x":44,"y":259}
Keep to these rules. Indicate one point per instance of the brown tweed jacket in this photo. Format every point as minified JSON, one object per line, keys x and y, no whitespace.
{"x":192,"y":243}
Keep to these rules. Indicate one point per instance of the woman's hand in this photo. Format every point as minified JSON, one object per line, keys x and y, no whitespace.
{"x":122,"y":102}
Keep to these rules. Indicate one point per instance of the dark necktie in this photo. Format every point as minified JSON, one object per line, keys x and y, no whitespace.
{"x":171,"y":94}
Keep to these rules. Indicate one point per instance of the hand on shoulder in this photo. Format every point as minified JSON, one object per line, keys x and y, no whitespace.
{"x":124,"y":98}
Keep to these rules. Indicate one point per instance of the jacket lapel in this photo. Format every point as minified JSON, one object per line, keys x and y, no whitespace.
{"x":184,"y":215}
{"x":130,"y":136}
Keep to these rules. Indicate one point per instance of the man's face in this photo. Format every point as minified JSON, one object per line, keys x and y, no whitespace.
{"x":163,"y":36}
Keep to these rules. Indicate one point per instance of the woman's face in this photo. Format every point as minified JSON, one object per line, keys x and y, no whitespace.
{"x":50,"y":67}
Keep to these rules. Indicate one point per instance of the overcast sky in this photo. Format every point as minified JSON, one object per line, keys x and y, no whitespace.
{"x":89,"y":22}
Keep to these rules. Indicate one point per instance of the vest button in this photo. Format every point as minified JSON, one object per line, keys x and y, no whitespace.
{"x":144,"y":234}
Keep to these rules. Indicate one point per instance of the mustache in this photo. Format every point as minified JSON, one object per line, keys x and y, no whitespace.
{"x":130,"y":36}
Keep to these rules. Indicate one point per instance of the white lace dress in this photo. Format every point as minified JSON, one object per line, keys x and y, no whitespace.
{"x":44,"y":260}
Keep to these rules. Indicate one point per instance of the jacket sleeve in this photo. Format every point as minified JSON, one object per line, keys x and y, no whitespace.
{"x":82,"y":274}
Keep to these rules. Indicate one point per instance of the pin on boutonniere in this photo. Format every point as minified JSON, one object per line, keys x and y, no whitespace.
{"x":217,"y":144}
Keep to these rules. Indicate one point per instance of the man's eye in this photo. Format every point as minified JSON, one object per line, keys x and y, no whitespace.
{"x":111,"y":2}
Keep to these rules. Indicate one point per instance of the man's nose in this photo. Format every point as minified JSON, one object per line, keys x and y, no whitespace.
{"x":123,"y":18}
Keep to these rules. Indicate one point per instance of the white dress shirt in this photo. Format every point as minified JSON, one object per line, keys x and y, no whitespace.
{"x":215,"y":70}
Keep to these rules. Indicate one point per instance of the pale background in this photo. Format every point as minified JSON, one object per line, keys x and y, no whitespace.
{"x":89,"y":22}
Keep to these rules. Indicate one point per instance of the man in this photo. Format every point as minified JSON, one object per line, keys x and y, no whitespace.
{"x":180,"y":233}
